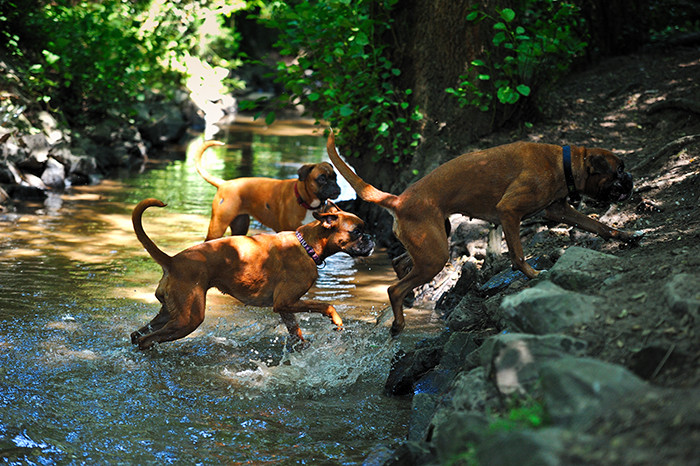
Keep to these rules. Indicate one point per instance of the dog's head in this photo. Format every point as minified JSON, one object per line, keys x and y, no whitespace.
{"x":346,"y":231}
{"x":321,"y":179}
{"x":606,"y":178}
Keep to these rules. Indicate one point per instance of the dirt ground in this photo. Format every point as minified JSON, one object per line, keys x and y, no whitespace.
{"x":646,"y":108}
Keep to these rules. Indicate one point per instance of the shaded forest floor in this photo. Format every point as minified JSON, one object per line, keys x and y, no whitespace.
{"x":646,"y":108}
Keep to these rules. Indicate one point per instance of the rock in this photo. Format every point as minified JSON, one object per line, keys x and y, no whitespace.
{"x":682,"y":293}
{"x":54,"y":174}
{"x":454,"y":432}
{"x":472,"y":391}
{"x":580,"y":268}
{"x":465,"y":283}
{"x":578,"y":390}
{"x":547,"y":308}
{"x":37,"y":150}
{"x":459,"y":345}
{"x":165,"y":123}
{"x":522,"y":448}
{"x":513,"y":360}
{"x":407,"y":368}
{"x":9,"y":173}
{"x":504,"y":279}
{"x":26,"y":192}
{"x":467,"y":314}
{"x":34,"y":182}
{"x":50,"y":127}
{"x":422,"y":409}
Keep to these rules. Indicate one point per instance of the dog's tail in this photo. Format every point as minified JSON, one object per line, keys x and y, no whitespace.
{"x":364,"y":190}
{"x":159,"y":256}
{"x":208,"y":177}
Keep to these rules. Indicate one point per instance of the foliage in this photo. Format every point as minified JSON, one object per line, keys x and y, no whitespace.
{"x":340,"y":73}
{"x":523,"y":413}
{"x":89,"y":58}
{"x":535,"y":45}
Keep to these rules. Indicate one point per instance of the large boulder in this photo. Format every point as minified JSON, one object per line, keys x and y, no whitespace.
{"x":547,"y":308}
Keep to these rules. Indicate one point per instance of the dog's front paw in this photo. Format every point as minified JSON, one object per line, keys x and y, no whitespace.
{"x":397,"y":328}
{"x":135,"y":336}
{"x":633,"y":238}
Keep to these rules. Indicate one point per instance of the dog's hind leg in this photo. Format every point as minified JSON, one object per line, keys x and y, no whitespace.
{"x":190,"y":316}
{"x":426,"y":264}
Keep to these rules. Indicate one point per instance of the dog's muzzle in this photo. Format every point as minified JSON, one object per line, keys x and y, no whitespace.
{"x":621,"y":188}
{"x":362,"y":247}
{"x":329,"y":191}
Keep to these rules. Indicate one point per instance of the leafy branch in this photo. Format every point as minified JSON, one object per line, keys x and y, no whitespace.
{"x":338,"y":70}
{"x":530,"y":47}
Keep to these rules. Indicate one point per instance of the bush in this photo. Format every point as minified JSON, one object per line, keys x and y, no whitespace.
{"x":340,"y":73}
{"x":531,"y":47}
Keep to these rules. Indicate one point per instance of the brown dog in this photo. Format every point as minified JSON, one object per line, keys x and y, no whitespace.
{"x":501,"y":185}
{"x":262,"y":270}
{"x":279,"y":204}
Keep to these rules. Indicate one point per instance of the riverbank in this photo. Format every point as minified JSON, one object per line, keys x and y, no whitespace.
{"x":597,"y":361}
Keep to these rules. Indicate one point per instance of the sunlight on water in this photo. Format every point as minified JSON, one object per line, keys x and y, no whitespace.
{"x":75,"y":282}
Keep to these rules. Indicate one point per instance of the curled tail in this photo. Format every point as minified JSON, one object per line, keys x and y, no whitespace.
{"x":209,"y":178}
{"x":159,"y":256}
{"x":364,"y":190}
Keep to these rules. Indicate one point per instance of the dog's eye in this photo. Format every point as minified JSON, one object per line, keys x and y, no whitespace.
{"x":321,"y":179}
{"x":356,"y":233}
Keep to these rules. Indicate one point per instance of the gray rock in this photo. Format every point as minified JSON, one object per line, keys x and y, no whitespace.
{"x":471,"y":391}
{"x":682,"y":293}
{"x":456,"y":350}
{"x":54,"y":174}
{"x":513,"y":360}
{"x":422,"y":409}
{"x":547,"y":308}
{"x":578,"y":390}
{"x":579,"y":268}
{"x":523,"y":448}
{"x":454,"y":432}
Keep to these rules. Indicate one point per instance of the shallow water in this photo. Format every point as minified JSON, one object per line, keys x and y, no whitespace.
{"x":74,"y":282}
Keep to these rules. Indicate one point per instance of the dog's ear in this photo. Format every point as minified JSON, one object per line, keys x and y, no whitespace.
{"x":330,"y":207}
{"x":599,"y":164}
{"x":327,"y":220}
{"x":304,"y":171}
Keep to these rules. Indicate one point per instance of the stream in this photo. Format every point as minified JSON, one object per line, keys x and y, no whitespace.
{"x":75,"y":282}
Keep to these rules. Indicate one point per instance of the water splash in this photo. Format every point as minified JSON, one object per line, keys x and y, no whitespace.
{"x":332,"y":361}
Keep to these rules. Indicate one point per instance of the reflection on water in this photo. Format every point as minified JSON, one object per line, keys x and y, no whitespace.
{"x":74,"y":282}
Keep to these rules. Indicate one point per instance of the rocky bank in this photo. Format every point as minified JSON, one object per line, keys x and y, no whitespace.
{"x":597,"y":360}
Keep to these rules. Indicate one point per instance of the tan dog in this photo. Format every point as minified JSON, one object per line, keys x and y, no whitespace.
{"x":501,"y":185}
{"x":262,"y":270}
{"x":279,"y":204}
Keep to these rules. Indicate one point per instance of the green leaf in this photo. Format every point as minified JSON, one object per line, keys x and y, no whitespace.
{"x":508,"y":15}
{"x":314,"y":96}
{"x":270,"y":118}
{"x":484,"y":77}
{"x":472,"y":16}
{"x":345,"y":110}
{"x":523,"y":89}
{"x":361,"y":39}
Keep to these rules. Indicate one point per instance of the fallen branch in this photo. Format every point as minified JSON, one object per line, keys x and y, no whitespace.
{"x":675,"y":104}
{"x":671,"y":148}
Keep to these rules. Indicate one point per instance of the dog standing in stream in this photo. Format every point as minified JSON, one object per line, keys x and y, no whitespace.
{"x":283,"y":205}
{"x":262,"y":270}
